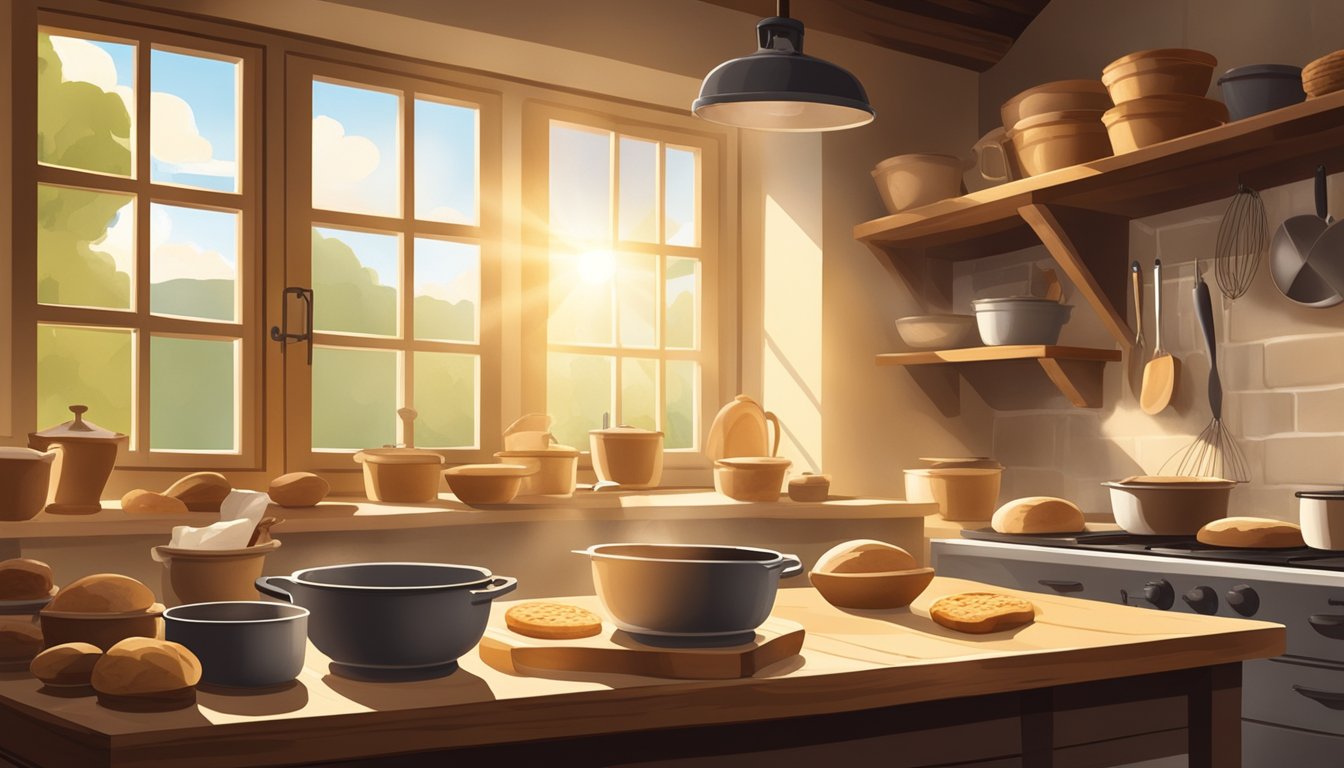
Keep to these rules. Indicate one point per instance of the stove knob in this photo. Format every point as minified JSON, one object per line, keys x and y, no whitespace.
{"x":1243,"y":599}
{"x":1202,"y":599}
{"x":1159,"y":593}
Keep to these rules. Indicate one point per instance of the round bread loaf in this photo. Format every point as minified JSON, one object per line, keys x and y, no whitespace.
{"x":201,"y":491}
{"x":1038,"y":514}
{"x":140,"y":666}
{"x":865,"y":556}
{"x":103,"y":593}
{"x":24,"y":579}
{"x":20,"y":640}
{"x":1251,"y":533}
{"x":66,"y":664}
{"x":143,"y":502}
{"x":298,"y":489}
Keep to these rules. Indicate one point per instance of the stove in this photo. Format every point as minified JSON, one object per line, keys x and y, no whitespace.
{"x":1292,"y":706}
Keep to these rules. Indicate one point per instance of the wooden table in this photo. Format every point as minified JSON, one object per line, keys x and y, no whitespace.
{"x":1084,"y":683}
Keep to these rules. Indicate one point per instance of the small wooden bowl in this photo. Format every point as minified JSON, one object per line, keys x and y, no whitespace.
{"x":475,"y":484}
{"x":891,"y":589}
{"x":101,"y":629}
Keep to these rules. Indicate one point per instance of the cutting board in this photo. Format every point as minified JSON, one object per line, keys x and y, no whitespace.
{"x":614,"y":651}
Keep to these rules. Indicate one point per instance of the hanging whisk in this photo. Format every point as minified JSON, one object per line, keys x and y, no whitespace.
{"x":1243,"y":240}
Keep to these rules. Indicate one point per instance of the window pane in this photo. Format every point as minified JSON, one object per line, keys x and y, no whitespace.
{"x":354,"y":398}
{"x":580,"y":183}
{"x":679,"y":201}
{"x":355,"y":280}
{"x":356,"y":150}
{"x":85,"y":247}
{"x":85,"y":104}
{"x":637,"y":292}
{"x":683,"y":281}
{"x":193,"y":120}
{"x":639,"y":393}
{"x":579,"y":390}
{"x":88,"y":366}
{"x":682,"y":397}
{"x":445,"y":398}
{"x":446,"y":162}
{"x":639,"y":190}
{"x":581,"y":297}
{"x":193,"y":262}
{"x":447,"y":290}
{"x":192,"y":394}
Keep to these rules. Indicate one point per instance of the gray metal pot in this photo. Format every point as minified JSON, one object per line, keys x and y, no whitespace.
{"x":699,"y":592}
{"x":243,"y":644}
{"x":393,"y":621}
{"x":1257,"y":88}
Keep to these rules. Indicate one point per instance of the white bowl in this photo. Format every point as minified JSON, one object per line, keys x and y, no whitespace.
{"x":939,"y":331}
{"x":1321,"y":515}
{"x":1020,"y":320}
{"x":1169,"y":506}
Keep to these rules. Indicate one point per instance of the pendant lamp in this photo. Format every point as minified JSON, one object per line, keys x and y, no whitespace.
{"x":779,"y":88}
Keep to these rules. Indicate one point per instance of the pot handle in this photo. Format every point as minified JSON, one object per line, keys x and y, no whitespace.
{"x":265,"y":587}
{"x":499,"y":586}
{"x":770,"y":417}
{"x":792,"y":566}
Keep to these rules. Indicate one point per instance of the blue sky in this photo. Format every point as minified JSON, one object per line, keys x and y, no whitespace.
{"x":580,"y":182}
{"x":442,"y":261}
{"x":445,"y":161}
{"x":377,"y":252}
{"x":210,"y":230}
{"x":679,"y":200}
{"x":375,"y":115}
{"x":210,"y":87}
{"x":123,"y":56}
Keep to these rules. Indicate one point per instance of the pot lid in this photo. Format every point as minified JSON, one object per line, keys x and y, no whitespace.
{"x":740,"y":429}
{"x":753,"y":462}
{"x":963,"y":462}
{"x":625,"y":432}
{"x":398,"y":456}
{"x":807,"y":478}
{"x":79,"y":429}
{"x":1322,"y":495}
{"x":24,"y":454}
{"x":555,"y":451}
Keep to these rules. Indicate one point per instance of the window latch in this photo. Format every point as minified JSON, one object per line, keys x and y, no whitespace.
{"x":281,"y":332}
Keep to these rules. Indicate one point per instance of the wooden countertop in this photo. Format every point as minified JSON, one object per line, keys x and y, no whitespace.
{"x":340,"y":514}
{"x":851,"y":660}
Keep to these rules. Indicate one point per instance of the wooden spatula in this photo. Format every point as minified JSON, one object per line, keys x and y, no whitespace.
{"x":1159,"y":375}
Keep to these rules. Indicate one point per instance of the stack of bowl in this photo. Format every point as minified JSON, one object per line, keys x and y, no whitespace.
{"x":1057,"y":124}
{"x":1324,"y":75}
{"x":1159,"y":95}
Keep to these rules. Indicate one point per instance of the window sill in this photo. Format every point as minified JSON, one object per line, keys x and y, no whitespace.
{"x":358,"y":514}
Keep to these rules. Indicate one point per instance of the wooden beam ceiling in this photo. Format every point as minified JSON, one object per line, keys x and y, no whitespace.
{"x":973,"y":34}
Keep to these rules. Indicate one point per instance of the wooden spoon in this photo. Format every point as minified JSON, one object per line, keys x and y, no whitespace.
{"x":1159,"y":375}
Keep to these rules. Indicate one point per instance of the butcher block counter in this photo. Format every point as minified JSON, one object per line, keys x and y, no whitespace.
{"x":1086,"y":684}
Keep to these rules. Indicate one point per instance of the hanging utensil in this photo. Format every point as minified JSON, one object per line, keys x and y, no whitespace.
{"x":1159,"y":375}
{"x":1326,"y":257}
{"x":1136,"y":279}
{"x":1243,"y":239}
{"x":1214,"y":453}
{"x":1288,"y":254}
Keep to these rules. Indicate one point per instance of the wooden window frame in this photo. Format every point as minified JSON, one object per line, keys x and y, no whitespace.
{"x":247,"y":330}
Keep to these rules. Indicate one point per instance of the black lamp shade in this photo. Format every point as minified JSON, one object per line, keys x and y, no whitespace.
{"x":779,"y":88}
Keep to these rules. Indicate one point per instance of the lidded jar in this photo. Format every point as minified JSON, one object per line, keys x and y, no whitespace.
{"x":86,"y":454}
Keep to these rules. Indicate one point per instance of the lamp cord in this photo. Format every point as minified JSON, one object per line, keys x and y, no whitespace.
{"x":782,"y":8}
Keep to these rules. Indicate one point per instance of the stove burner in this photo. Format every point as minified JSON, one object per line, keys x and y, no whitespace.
{"x":1167,"y":546}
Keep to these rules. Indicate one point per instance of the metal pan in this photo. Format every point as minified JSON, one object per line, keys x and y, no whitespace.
{"x":1288,"y":254}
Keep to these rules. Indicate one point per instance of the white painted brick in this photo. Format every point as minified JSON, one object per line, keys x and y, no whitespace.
{"x":1312,"y":361}
{"x":1243,"y":366}
{"x":1019,"y":482}
{"x":1257,"y":414}
{"x":1296,"y":460}
{"x":1026,"y":440}
{"x":1154,"y":452}
{"x":1320,"y":411}
{"x":1258,"y":501}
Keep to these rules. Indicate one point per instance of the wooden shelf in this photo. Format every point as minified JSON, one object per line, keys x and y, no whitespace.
{"x":1075,"y":371}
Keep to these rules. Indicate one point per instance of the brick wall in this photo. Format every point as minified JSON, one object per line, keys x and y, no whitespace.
{"x":1282,"y":366}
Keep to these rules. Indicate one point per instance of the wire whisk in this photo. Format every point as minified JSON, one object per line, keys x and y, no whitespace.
{"x":1213,"y":454}
{"x":1243,"y":241}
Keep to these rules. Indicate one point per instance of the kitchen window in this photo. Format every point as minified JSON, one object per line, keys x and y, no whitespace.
{"x":626,"y":267}
{"x":391,"y":206}
{"x":146,"y":298}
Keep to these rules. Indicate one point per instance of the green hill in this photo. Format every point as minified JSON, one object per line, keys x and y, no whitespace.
{"x":211,"y":299}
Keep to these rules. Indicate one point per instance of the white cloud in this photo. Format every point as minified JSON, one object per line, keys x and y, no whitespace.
{"x":173,"y":135}
{"x":83,"y":61}
{"x":340,"y":163}
{"x":186,"y":261}
{"x":464,"y":287}
{"x":446,"y":214}
{"x":119,"y":240}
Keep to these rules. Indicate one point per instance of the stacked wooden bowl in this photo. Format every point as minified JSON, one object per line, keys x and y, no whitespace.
{"x":1324,"y":75}
{"x":1057,"y":124}
{"x":1159,"y":95}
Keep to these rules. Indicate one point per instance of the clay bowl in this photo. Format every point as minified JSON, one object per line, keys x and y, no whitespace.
{"x":1054,"y":140}
{"x":475,"y":484}
{"x":101,"y":629}
{"x":1160,"y":72}
{"x":214,"y":575}
{"x":1144,"y":122}
{"x":1057,"y":96}
{"x":890,"y":589}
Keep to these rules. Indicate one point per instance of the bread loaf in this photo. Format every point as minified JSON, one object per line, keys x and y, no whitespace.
{"x":865,"y":556}
{"x":1038,"y":514}
{"x":67,"y":664}
{"x":201,"y":491}
{"x":1251,"y":533}
{"x":140,"y":666}
{"x":298,"y":489}
{"x":24,"y":579}
{"x":143,"y":502}
{"x":20,"y":640}
{"x":979,"y":613}
{"x":103,"y":593}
